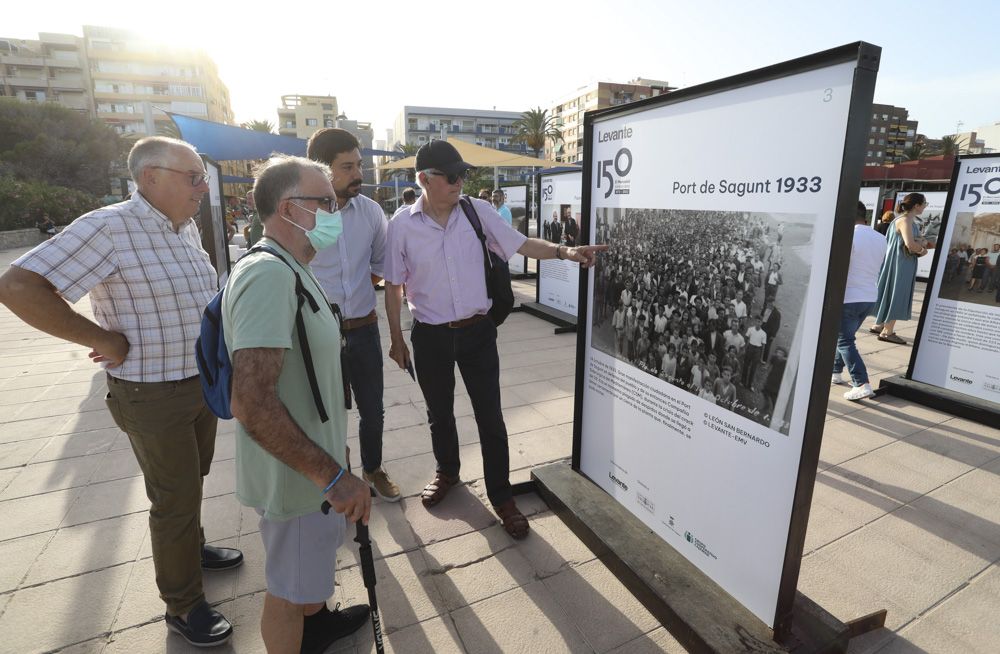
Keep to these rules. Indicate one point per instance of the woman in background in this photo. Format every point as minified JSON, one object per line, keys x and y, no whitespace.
{"x":882,"y":226}
{"x":899,"y":268}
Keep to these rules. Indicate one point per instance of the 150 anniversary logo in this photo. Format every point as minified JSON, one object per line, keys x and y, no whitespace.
{"x":973,"y":193}
{"x":615,"y":170}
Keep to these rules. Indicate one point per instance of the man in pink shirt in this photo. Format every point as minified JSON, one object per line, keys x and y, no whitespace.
{"x":433,"y":249}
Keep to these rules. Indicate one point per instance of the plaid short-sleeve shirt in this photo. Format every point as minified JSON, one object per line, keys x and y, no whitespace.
{"x":145,"y":281}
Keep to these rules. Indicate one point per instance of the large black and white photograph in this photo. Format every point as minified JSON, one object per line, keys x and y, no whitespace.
{"x":707,"y":301}
{"x":972,"y":263}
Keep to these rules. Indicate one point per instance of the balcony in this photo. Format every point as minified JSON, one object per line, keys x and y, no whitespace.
{"x":39,"y":81}
{"x":20,"y":60}
{"x":67,"y":82}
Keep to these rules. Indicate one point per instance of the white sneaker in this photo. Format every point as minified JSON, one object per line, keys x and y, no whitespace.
{"x":838,"y":378}
{"x":859,"y":393}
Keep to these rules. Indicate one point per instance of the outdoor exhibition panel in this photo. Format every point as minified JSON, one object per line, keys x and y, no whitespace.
{"x":958,"y":340}
{"x":558,"y":279}
{"x":516,"y":198}
{"x":715,"y":449}
{"x":212,"y":221}
{"x":869,"y":197}
{"x":930,"y":226}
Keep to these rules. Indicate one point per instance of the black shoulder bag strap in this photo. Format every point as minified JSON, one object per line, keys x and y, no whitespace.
{"x":345,"y":378}
{"x":470,"y":213}
{"x":303,"y":296}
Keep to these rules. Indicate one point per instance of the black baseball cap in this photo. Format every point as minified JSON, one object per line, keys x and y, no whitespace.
{"x":441,"y":155}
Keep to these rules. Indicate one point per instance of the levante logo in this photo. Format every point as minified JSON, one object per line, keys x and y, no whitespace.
{"x":621,"y":484}
{"x":962,"y":380}
{"x":616,"y":169}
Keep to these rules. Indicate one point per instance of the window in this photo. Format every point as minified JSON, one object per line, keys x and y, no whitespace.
{"x":881,"y":130}
{"x":311,"y":122}
{"x":885,"y":116}
{"x":874,"y":129}
{"x":871,"y":142}
{"x":869,"y":153}
{"x":879,"y":154}
{"x":327,"y":106}
{"x":881,"y":141}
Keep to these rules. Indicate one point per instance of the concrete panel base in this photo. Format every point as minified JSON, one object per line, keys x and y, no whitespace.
{"x":943,"y":399}
{"x":697,"y":612}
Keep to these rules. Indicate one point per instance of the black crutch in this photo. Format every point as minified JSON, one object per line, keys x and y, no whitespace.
{"x":368,"y":574}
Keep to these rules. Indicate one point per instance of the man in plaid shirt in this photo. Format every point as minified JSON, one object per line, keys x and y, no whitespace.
{"x":149,"y":279}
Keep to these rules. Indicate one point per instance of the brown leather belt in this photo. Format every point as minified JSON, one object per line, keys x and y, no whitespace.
{"x":354,"y":323}
{"x":465,"y":322}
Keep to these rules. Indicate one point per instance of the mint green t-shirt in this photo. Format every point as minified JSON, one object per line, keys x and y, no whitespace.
{"x":258,"y":311}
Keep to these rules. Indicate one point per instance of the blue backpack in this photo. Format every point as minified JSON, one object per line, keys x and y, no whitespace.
{"x":214,"y":364}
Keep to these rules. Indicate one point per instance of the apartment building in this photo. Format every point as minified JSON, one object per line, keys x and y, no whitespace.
{"x":568,"y":112}
{"x":891,"y":134}
{"x":51,"y":69}
{"x":301,"y":115}
{"x":488,"y":128}
{"x":990,"y":137}
{"x":127,"y":70}
{"x":110,"y":74}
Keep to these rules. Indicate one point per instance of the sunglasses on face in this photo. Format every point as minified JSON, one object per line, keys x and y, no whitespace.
{"x":452,"y":178}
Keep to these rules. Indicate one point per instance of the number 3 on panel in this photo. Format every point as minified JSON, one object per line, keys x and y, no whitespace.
{"x":827,"y":95}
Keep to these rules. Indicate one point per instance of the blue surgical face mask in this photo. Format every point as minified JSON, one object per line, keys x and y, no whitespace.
{"x":328,"y":229}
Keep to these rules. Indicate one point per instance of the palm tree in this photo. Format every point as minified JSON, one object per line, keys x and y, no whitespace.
{"x":951,"y":145}
{"x":916,"y":151}
{"x":259,"y":126}
{"x":535,"y":127}
{"x":168,"y":129}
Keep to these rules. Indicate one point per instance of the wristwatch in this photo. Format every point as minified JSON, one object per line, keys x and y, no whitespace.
{"x":559,"y":252}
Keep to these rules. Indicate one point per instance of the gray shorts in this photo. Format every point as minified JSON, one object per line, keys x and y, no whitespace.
{"x":300,"y":555}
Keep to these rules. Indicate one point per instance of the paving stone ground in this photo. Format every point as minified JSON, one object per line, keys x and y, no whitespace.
{"x":905,"y":516}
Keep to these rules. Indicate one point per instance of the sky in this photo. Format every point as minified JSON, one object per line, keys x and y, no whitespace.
{"x":940,"y":60}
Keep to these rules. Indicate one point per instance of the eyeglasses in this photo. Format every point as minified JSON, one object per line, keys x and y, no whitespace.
{"x":325,"y":202}
{"x":196,"y":178}
{"x":452,"y":178}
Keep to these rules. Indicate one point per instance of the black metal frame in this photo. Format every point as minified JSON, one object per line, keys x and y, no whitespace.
{"x":564,"y":322}
{"x":208,"y":230}
{"x":937,"y":397}
{"x":866,"y":57}
{"x":527,"y":217}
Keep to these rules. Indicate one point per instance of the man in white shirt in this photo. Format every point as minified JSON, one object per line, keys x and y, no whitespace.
{"x":733,"y":337}
{"x":347,"y":272}
{"x":867,"y":253}
{"x":756,"y":338}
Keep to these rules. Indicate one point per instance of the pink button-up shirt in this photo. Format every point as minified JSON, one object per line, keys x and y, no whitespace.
{"x":443,"y":267}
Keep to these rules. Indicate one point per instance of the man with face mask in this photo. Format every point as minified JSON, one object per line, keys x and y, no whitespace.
{"x":348,"y":271}
{"x":289,"y":457}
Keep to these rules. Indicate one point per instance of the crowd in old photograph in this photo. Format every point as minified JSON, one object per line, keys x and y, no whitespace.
{"x":693,"y":297}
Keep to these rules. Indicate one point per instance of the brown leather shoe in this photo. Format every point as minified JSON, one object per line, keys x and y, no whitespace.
{"x":514,"y":522}
{"x":435,"y":491}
